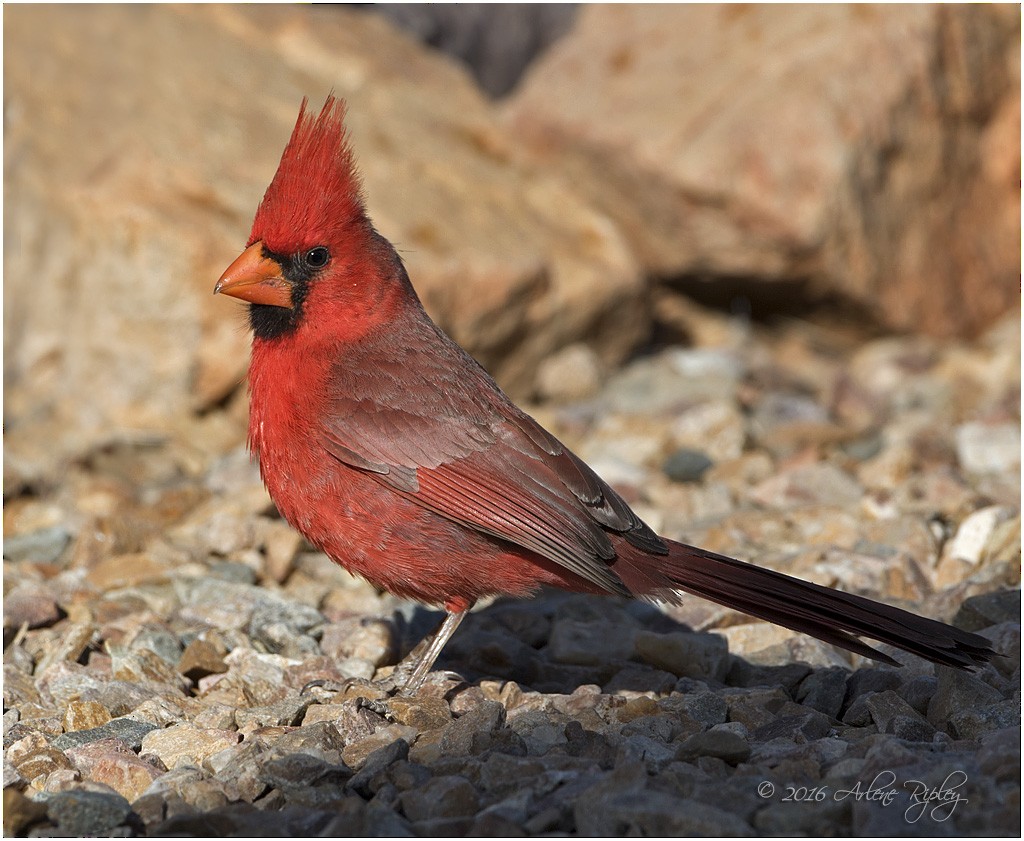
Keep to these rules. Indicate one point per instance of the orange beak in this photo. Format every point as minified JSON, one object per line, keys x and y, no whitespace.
{"x":256,"y":279}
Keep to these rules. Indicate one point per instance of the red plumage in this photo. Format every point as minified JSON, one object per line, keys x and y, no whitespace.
{"x":392,"y":450}
{"x":315,"y":194}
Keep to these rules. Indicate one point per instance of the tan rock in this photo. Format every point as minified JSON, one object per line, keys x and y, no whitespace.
{"x":203,"y":657}
{"x":573,"y":373}
{"x":185,"y":744}
{"x":873,"y":150}
{"x":281,"y":543}
{"x":35,"y":759}
{"x":421,"y":713}
{"x":356,"y":753}
{"x":137,"y":169}
{"x":84,"y":715}
{"x":747,"y":639}
{"x":143,"y":666}
{"x":130,"y":570}
{"x":323,"y":712}
{"x":111,"y":762}
{"x":68,"y":646}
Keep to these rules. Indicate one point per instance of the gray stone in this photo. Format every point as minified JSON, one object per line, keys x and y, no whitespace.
{"x":988,"y":609}
{"x":12,"y":779}
{"x":356,"y":753}
{"x":640,"y":678}
{"x":589,"y":643}
{"x":660,"y":384}
{"x":805,"y":727}
{"x":958,"y":691}
{"x":658,"y":726}
{"x":160,"y":641}
{"x":974,"y":723}
{"x":470,"y":733}
{"x":1005,"y":639}
{"x":378,"y":762}
{"x":1000,"y":754}
{"x":232,"y":571}
{"x":716,"y":742}
{"x":747,"y":674}
{"x":321,"y":739}
{"x":686,"y":465}
{"x":589,"y":744}
{"x":824,"y":690}
{"x":858,"y":714}
{"x":128,"y":730}
{"x":441,"y":797}
{"x":284,"y":627}
{"x":540,"y":730}
{"x":704,"y":707}
{"x":919,"y":690}
{"x":287,"y":711}
{"x":657,"y":814}
{"x":685,"y":654}
{"x":779,"y":418}
{"x":871,"y":680}
{"x":225,"y":605}
{"x":755,"y":707}
{"x":891,"y":714}
{"x":362,"y":637}
{"x":653,"y":753}
{"x":79,"y":813}
{"x":120,"y":697}
{"x":296,"y":771}
{"x":44,"y":546}
{"x":236,"y":770}
{"x":807,"y":818}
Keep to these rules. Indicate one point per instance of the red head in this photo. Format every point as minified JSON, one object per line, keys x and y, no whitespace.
{"x":315,"y":195}
{"x":313,"y":259}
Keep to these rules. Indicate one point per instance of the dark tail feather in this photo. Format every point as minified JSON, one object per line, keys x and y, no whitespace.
{"x":830,"y":615}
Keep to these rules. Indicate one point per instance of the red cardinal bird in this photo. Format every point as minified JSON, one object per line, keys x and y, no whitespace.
{"x":393,"y":451}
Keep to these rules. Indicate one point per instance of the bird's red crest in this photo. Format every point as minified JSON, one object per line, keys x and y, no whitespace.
{"x":315,"y":193}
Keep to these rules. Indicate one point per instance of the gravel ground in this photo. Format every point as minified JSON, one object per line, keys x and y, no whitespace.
{"x":178,"y":662}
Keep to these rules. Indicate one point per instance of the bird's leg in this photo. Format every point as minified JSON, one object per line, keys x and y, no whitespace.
{"x":414,"y":668}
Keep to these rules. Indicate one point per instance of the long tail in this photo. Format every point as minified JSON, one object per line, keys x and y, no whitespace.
{"x":830,"y":615}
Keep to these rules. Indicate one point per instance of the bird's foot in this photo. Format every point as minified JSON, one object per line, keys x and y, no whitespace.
{"x":379,"y":706}
{"x":321,"y":687}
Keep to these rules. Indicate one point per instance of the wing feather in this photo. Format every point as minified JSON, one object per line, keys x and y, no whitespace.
{"x":437,"y":429}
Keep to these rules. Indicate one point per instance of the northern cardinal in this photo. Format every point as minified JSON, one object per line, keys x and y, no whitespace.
{"x":393,"y":451}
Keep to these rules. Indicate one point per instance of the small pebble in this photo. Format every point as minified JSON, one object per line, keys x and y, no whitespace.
{"x":685,"y":465}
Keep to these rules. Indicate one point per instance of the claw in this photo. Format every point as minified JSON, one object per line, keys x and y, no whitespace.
{"x":380,"y":707}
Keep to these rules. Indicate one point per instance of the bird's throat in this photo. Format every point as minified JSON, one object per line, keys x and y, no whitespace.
{"x":270,"y":322}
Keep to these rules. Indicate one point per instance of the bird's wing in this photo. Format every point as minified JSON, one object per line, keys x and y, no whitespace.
{"x":462,"y":450}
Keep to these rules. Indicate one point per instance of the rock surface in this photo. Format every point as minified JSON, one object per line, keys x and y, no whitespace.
{"x":157,"y":196}
{"x":239,"y":686}
{"x":775,"y":144}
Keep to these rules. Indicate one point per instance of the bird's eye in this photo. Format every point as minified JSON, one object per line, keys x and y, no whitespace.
{"x":317,"y":258}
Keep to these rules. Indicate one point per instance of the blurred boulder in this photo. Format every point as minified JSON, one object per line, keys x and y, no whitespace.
{"x":133,"y":171}
{"x":871,"y":152}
